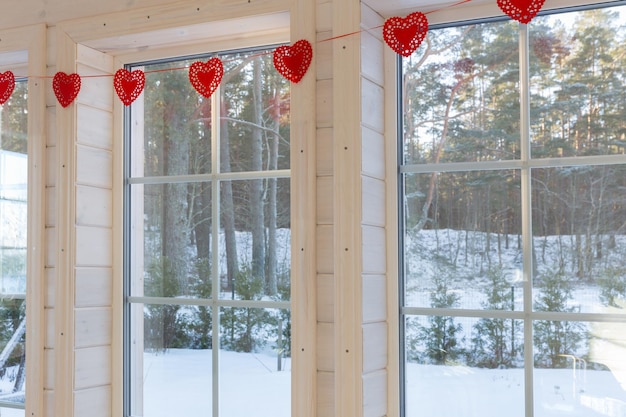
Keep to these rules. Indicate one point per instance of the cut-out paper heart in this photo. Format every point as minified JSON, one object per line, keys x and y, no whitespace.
{"x":292,"y":62}
{"x":129,"y":85}
{"x":7,"y":84}
{"x":66,"y":87}
{"x":521,"y":10}
{"x":405,"y":35}
{"x":206,"y":76}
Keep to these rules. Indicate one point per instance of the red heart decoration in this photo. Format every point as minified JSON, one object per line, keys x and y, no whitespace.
{"x":66,"y":87}
{"x":7,"y":84}
{"x":404,"y":35}
{"x":292,"y":62}
{"x":129,"y":85}
{"x":206,"y":76}
{"x":521,"y":10}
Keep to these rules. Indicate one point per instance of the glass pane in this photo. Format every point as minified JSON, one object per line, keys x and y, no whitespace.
{"x":176,"y":378}
{"x":462,"y":240}
{"x":580,"y":369}
{"x":254,"y":123}
{"x":457,"y":366}
{"x":461,"y":95}
{"x":13,"y":234}
{"x":176,"y":225}
{"x":255,"y":242}
{"x":172,"y":135}
{"x":579,"y":239}
{"x":577,"y":83}
{"x":255,"y":362}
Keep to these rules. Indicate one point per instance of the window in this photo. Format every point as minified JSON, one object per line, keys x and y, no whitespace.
{"x":13,"y":257}
{"x":207,"y":224}
{"x":513,"y":213}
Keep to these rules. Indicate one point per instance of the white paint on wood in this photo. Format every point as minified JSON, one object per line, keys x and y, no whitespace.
{"x":375,"y":395}
{"x":94,"y":246}
{"x":93,"y":327}
{"x":93,"y":166}
{"x":93,"y":367}
{"x":372,"y":55}
{"x":374,"y":254}
{"x":93,"y":206}
{"x":93,"y":287}
{"x":93,"y":402}
{"x":373,"y":153}
{"x":374,"y":298}
{"x":96,"y":127}
{"x":374,"y":347}
{"x":373,"y":201}
{"x":372,"y":105}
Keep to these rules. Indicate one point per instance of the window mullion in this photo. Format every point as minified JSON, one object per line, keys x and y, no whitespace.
{"x":526,"y":213}
{"x":215,"y":214}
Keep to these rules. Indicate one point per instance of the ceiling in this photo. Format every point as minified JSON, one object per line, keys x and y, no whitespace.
{"x":389,"y":8}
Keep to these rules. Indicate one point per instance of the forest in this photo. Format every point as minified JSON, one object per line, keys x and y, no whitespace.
{"x":478,"y":185}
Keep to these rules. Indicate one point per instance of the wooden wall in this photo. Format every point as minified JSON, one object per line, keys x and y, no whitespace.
{"x":343,"y":318}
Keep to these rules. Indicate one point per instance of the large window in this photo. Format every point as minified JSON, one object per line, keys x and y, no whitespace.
{"x":513,"y":218}
{"x":207,"y":255}
{"x":13,"y":259}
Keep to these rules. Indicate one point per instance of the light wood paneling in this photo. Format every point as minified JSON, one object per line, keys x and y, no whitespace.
{"x":93,"y":166}
{"x":325,"y":347}
{"x":324,"y":200}
{"x":93,"y":327}
{"x":374,"y":298}
{"x":374,"y":255}
{"x":375,"y":395}
{"x":324,"y":60}
{"x":325,"y":394}
{"x":325,"y":298}
{"x":325,"y":252}
{"x":93,"y":367}
{"x":93,"y":287}
{"x":324,"y":144}
{"x":94,"y":206}
{"x":93,"y":402}
{"x":96,"y":130}
{"x":324,"y":109}
{"x":373,"y":205}
{"x":94,"y":246}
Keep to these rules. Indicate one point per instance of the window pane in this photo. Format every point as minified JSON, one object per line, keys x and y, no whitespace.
{"x":255,"y":248}
{"x":255,"y":360}
{"x":580,"y":368}
{"x":457,"y":366}
{"x":254,"y":123}
{"x":461,"y":97}
{"x":13,"y":233}
{"x":175,"y":124}
{"x":579,"y":242}
{"x":176,"y":225}
{"x":577,"y":83}
{"x":462,"y":240}
{"x":176,"y":362}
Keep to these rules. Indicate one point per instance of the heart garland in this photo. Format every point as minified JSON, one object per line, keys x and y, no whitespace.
{"x":129,"y":85}
{"x":66,"y":87}
{"x":206,"y":76}
{"x":7,"y":84}
{"x":521,"y":10}
{"x":404,"y":35}
{"x":292,"y":62}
